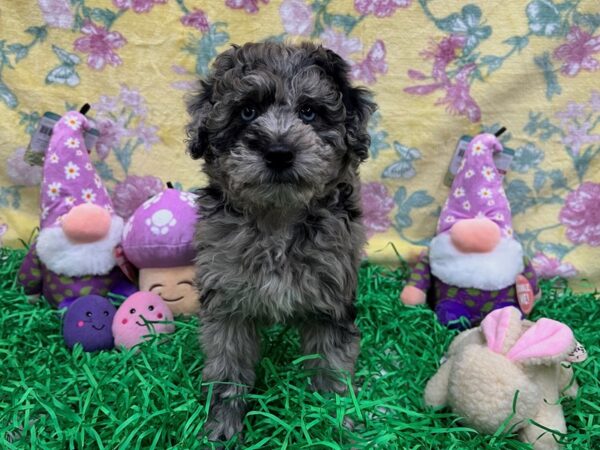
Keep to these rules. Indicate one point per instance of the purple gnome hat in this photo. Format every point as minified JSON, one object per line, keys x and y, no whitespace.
{"x":477,"y":190}
{"x":160,"y":233}
{"x":69,"y":178}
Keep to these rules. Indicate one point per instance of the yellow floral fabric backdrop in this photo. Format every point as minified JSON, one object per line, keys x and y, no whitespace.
{"x":439,"y":70}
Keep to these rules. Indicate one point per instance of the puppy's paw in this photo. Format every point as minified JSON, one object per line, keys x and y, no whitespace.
{"x":225,"y":422}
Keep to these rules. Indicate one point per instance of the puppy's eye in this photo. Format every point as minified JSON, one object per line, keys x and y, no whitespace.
{"x":89,"y":314}
{"x":307,"y":114}
{"x":132,"y":311}
{"x":150,"y":308}
{"x":249,"y":114}
{"x":106,"y":313}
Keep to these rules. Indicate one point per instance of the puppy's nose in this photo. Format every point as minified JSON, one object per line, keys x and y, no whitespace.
{"x":279,"y":156}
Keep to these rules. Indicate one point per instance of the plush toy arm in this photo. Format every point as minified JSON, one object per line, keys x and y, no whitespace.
{"x":30,"y":273}
{"x":567,"y":382}
{"x":530,"y":274}
{"x":436,"y":391}
{"x":419,"y":282}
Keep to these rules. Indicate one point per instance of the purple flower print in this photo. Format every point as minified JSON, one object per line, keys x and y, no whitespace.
{"x":106,"y":104}
{"x":549,"y":267}
{"x":578,"y":136}
{"x":57,"y":13}
{"x":578,"y":52}
{"x":111,"y":133}
{"x":380,"y":8}
{"x":376,"y":206}
{"x":134,"y":191}
{"x":20,"y":172}
{"x":139,"y":6}
{"x":595,"y":101}
{"x":250,"y":6}
{"x":581,"y":214}
{"x":574,"y":111}
{"x":340,"y":43}
{"x":146,"y":134}
{"x":296,"y":17}
{"x":458,"y":99}
{"x":367,"y":69}
{"x":100,"y":44}
{"x":196,"y":19}
{"x":132,"y":99}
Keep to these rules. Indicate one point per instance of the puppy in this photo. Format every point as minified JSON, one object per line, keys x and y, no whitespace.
{"x":282,"y":133}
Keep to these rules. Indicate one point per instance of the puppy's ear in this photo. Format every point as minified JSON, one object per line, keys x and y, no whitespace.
{"x":357,"y":101}
{"x":198,"y":107}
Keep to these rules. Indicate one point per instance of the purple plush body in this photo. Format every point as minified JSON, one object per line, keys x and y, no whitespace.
{"x":88,"y":321}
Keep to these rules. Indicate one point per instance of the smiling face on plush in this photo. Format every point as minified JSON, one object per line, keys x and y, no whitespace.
{"x":142,"y":314}
{"x":175,"y":285}
{"x":88,"y":321}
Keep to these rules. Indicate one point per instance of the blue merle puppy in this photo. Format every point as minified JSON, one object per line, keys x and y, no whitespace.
{"x":282,"y":132}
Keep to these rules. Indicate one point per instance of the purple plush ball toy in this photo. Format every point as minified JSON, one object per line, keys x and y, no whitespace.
{"x":88,"y":321}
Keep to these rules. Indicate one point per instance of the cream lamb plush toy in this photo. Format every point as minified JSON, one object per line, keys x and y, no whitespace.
{"x":486,"y":366}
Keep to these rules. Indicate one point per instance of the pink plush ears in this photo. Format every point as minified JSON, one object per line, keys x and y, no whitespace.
{"x":546,"y":341}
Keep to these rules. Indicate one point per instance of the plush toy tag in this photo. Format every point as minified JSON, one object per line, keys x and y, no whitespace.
{"x":502,"y":159}
{"x":524,"y":294}
{"x":41,"y":139}
{"x":578,"y":354}
{"x":126,"y":267}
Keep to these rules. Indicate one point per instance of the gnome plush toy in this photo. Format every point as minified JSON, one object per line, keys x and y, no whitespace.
{"x":158,"y":240}
{"x":474,"y":264}
{"x":73,"y":255}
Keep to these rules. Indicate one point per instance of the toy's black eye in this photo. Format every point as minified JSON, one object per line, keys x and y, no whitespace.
{"x":106,"y":313}
{"x":132,"y":311}
{"x":150,"y":308}
{"x":307,"y":114}
{"x":89,"y":314}
{"x":249,"y":114}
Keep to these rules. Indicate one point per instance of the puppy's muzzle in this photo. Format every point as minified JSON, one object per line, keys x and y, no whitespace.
{"x":279,"y":157}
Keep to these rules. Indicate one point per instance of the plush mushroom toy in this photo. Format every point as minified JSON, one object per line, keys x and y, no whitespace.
{"x":158,"y":240}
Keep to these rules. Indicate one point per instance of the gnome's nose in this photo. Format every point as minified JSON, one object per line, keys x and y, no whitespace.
{"x":86,"y":223}
{"x":475,"y":235}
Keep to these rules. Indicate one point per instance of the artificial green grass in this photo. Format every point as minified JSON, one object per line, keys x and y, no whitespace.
{"x":51,"y":398}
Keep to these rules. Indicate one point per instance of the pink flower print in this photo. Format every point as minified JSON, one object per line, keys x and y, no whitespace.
{"x":376,"y":205}
{"x":577,"y":53}
{"x":106,"y":104}
{"x":139,"y":6}
{"x":549,"y":267}
{"x":196,"y":19}
{"x":380,"y":8}
{"x":57,"y":13}
{"x":19,"y":170}
{"x":581,"y":214}
{"x":250,"y":6}
{"x":458,"y":99}
{"x":100,"y":44}
{"x":133,"y":192}
{"x":443,"y":53}
{"x":372,"y":65}
{"x":340,"y":43}
{"x":296,"y":17}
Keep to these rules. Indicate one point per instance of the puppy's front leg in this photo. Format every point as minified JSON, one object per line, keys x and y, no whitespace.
{"x":338,"y":343}
{"x":231,"y":349}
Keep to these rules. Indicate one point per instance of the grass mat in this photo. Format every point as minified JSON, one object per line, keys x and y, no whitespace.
{"x":53,"y":398}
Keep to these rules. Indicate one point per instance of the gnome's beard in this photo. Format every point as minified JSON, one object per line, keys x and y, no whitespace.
{"x":487,"y":271}
{"x":72,"y":259}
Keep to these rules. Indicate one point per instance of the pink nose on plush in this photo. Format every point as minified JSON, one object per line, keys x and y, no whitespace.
{"x":475,"y":235}
{"x":86,"y":223}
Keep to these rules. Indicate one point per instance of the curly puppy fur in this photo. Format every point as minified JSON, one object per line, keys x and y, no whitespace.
{"x":282,"y":133}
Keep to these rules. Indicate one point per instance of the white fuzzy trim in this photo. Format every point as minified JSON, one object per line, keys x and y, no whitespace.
{"x":64,"y":257}
{"x":488,"y":271}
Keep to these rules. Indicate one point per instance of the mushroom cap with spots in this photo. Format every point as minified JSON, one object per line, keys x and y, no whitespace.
{"x":160,"y":233}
